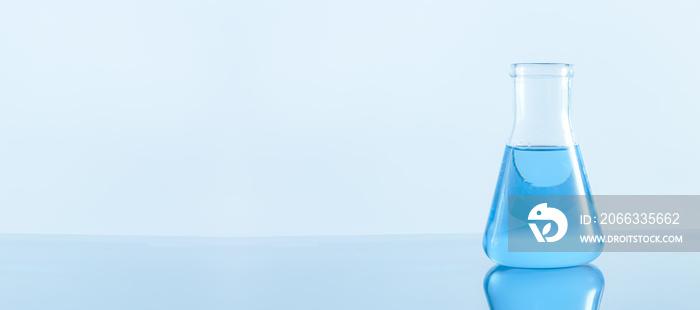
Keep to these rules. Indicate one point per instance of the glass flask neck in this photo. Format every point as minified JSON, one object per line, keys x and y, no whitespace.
{"x":542,"y":99}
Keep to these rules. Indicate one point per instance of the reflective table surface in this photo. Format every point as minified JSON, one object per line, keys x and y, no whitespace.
{"x":365,"y":272}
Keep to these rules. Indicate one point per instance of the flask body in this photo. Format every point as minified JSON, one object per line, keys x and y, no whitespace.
{"x":540,"y":160}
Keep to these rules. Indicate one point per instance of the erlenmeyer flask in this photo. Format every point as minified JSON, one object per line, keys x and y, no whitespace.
{"x":541,"y":159}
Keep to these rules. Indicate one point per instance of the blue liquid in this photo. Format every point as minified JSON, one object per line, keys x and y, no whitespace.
{"x":535,"y":171}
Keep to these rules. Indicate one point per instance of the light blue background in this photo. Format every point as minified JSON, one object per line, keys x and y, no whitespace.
{"x":266,"y":118}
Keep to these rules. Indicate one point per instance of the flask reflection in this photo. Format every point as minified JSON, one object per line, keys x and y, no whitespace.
{"x":509,"y":288}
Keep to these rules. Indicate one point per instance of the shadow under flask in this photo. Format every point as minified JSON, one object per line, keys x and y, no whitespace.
{"x":541,"y":159}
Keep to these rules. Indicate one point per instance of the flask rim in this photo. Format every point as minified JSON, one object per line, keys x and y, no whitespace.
{"x":542,"y":69}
